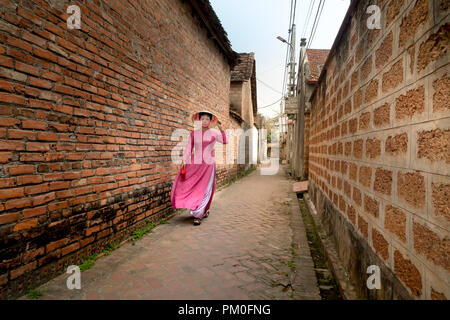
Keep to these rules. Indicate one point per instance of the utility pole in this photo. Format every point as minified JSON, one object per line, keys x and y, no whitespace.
{"x":300,"y":125}
{"x":288,"y":104}
{"x":291,"y":85}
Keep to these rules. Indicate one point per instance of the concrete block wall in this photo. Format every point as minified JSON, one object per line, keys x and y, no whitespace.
{"x":86,"y":118}
{"x":380,"y":139}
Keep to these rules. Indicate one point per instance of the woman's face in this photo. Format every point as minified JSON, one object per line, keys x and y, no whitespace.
{"x":205,"y":120}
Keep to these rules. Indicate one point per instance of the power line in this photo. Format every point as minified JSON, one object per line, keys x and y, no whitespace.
{"x":270,"y":104}
{"x":287,"y":51}
{"x":270,"y":69}
{"x":290,"y":36}
{"x":269,"y":86}
{"x":308,"y":16}
{"x":314,"y":26}
{"x":295,"y":7}
{"x":316,"y":22}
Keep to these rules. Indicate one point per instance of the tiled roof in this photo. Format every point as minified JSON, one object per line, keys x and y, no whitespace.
{"x":316,"y":58}
{"x":213,"y":24}
{"x":244,"y":67}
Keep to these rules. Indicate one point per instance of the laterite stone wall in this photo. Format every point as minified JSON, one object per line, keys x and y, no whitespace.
{"x":380,"y":145}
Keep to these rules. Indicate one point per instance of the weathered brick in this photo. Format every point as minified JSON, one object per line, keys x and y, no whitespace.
{"x":354,"y":79}
{"x":8,"y":122}
{"x":11,"y":193}
{"x":371,"y":92}
{"x":347,"y":189}
{"x":351,"y":214}
{"x":373,"y":148}
{"x":441,"y":94}
{"x":342,"y":204}
{"x":429,"y":244}
{"x":366,"y":68}
{"x":33,"y":124}
{"x":434,"y":145}
{"x":371,"y":206}
{"x":393,"y":10}
{"x":364,"y":121}
{"x":31,"y":255}
{"x":357,"y":99}
{"x":412,"y":54}
{"x":434,"y":47}
{"x":365,"y":176}
{"x":70,"y":248}
{"x":344,"y":128}
{"x":383,"y":181}
{"x":12,"y":98}
{"x":359,"y":53}
{"x":440,"y":195}
{"x":435,"y":295}
{"x":344,"y":166}
{"x":348,"y":148}
{"x":384,"y":52}
{"x":357,"y":197}
{"x":353,"y":125}
{"x":380,"y":244}
{"x":393,"y":77}
{"x":358,"y":148}
{"x":411,"y":188}
{"x":55,"y":245}
{"x":396,"y":145}
{"x":395,"y":222}
{"x":21,"y":169}
{"x":24,"y":225}
{"x":381,"y":115}
{"x":22,"y":270}
{"x":34,"y":212}
{"x":9,"y":217}
{"x":416,"y":17}
{"x":17,"y":203}
{"x":352,"y":171}
{"x":348,"y":107}
{"x":363,"y":226}
{"x":411,"y":103}
{"x":408,"y":273}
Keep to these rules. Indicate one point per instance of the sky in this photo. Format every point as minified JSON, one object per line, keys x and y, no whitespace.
{"x":253,"y":26}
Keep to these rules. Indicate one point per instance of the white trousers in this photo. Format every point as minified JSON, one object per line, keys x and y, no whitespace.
{"x":200,"y":211}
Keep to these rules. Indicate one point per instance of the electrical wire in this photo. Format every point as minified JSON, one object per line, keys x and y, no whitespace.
{"x":268,"y":86}
{"x":285,"y":64}
{"x":314,"y":26}
{"x":318,"y":15}
{"x":270,"y":104}
{"x":308,"y":16}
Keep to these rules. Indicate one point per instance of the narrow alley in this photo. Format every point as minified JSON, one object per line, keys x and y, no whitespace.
{"x":245,"y":249}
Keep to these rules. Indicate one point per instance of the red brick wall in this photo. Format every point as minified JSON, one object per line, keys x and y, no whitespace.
{"x":380,"y":135}
{"x":86,"y":118}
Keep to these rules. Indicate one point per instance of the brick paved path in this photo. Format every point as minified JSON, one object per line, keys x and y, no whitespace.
{"x":241,"y":251}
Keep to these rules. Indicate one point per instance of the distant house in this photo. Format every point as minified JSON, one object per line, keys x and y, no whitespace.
{"x":243,"y":89}
{"x":243,"y":105}
{"x":309,"y":71}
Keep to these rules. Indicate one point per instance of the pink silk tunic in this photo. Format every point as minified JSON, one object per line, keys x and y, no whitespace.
{"x":188,"y":192}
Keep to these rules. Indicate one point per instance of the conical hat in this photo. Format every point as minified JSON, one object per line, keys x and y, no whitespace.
{"x":195,"y":116}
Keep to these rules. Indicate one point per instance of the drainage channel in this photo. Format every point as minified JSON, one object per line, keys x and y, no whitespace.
{"x":329,"y":289}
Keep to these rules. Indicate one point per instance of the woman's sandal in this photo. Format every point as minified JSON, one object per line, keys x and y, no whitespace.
{"x":206,"y":215}
{"x":197,"y":222}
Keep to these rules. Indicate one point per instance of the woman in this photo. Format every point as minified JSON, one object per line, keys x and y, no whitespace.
{"x":196,"y":189}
